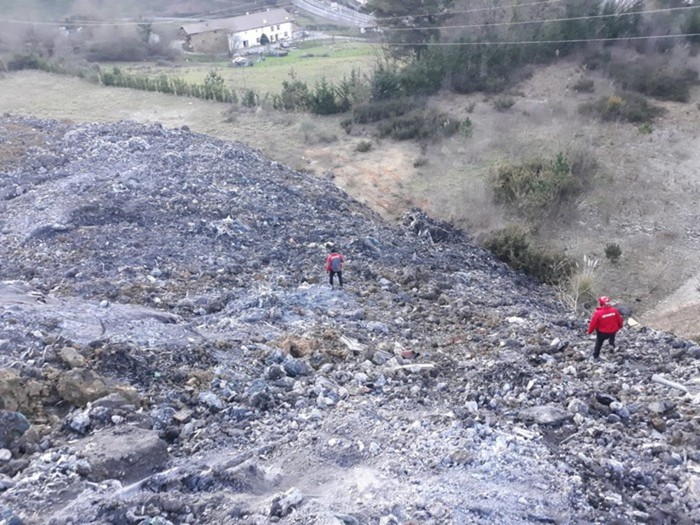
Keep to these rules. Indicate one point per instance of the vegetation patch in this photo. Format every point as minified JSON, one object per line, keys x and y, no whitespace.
{"x":654,"y":78}
{"x":213,"y":88}
{"x":420,"y":124}
{"x":584,"y":85}
{"x":514,"y":246}
{"x":535,"y":188}
{"x":625,"y":107}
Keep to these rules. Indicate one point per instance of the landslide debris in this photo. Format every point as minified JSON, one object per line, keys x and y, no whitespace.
{"x":171,"y":352}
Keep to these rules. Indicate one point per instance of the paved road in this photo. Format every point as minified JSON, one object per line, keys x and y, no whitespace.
{"x":335,"y":13}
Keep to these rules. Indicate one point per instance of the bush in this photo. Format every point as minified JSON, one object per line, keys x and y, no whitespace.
{"x":28,"y":61}
{"x":584,"y":85}
{"x":613,"y":252}
{"x":419,"y":125}
{"x":646,"y":128}
{"x":380,"y":110}
{"x":363,"y":146}
{"x":250,"y":99}
{"x":325,"y":99}
{"x":294,"y":96}
{"x":466,"y":127}
{"x":581,"y":287}
{"x":514,"y":246}
{"x":536,"y":187}
{"x":655,"y":78}
{"x":626,"y":107}
{"x":503,"y":103}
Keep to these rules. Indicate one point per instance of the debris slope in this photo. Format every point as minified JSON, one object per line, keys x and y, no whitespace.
{"x":172,"y":352}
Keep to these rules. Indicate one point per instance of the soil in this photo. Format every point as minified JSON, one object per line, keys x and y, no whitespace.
{"x":643,"y":194}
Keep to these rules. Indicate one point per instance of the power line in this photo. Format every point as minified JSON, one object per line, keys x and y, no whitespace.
{"x":546,"y":20}
{"x":528,"y":42}
{"x":474,"y":10}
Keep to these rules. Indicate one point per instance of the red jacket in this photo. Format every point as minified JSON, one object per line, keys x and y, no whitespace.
{"x":329,"y":264}
{"x":606,"y":319}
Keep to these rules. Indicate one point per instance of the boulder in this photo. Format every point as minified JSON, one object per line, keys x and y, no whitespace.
{"x":12,"y":395}
{"x":124,"y":453}
{"x":12,"y":426}
{"x":80,"y":386}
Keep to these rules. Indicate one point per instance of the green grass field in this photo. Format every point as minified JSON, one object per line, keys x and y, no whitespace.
{"x":310,"y":63}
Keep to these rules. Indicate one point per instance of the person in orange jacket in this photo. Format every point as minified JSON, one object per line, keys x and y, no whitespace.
{"x":334,"y":265}
{"x":606,"y":322}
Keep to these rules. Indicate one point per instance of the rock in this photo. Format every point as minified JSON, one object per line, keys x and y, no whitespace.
{"x":80,"y":386}
{"x":6,"y":483}
{"x":296,"y":367}
{"x":283,"y":504}
{"x":5,"y":455}
{"x":71,"y":357}
{"x":78,"y":421}
{"x":123,"y":453}
{"x":12,"y":426}
{"x":545,"y":415}
{"x":12,"y":395}
{"x":210,"y":400}
{"x":113,"y":401}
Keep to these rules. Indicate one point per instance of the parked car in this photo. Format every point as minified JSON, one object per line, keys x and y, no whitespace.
{"x":277,"y":53}
{"x":241,"y":62}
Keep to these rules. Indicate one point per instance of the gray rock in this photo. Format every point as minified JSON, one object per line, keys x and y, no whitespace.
{"x":283,"y":504}
{"x":545,"y":415}
{"x":123,"y":453}
{"x":12,"y":426}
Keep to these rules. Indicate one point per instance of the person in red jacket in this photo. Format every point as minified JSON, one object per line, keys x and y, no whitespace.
{"x":334,"y":265}
{"x":606,"y":322}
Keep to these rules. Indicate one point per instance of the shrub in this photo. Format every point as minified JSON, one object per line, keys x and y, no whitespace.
{"x":325,"y":99}
{"x":294,"y":95}
{"x":419,"y":125}
{"x":655,"y":78}
{"x":581,"y":287}
{"x":380,"y":110}
{"x":405,"y":127}
{"x":503,"y":103}
{"x":514,"y":246}
{"x":535,"y":187}
{"x":27,"y":61}
{"x":363,"y":146}
{"x":466,"y":127}
{"x":584,"y":85}
{"x":613,"y":252}
{"x":385,"y":83}
{"x":626,"y":107}
{"x":250,"y":98}
{"x":646,"y":128}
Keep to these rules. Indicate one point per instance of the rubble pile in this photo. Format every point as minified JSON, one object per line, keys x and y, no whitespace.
{"x":171,"y":352}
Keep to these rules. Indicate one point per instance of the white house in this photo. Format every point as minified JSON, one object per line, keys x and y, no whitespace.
{"x":226,"y":35}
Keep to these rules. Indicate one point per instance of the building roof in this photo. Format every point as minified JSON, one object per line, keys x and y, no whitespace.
{"x":240,"y":23}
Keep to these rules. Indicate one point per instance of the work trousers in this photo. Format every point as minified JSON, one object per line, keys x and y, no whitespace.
{"x":340,"y":277}
{"x":600,"y":338}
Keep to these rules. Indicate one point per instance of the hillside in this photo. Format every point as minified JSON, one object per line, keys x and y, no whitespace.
{"x":169,"y":335}
{"x":643,"y":195}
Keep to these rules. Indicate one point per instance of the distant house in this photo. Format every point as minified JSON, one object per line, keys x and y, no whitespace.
{"x":227,"y":35}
